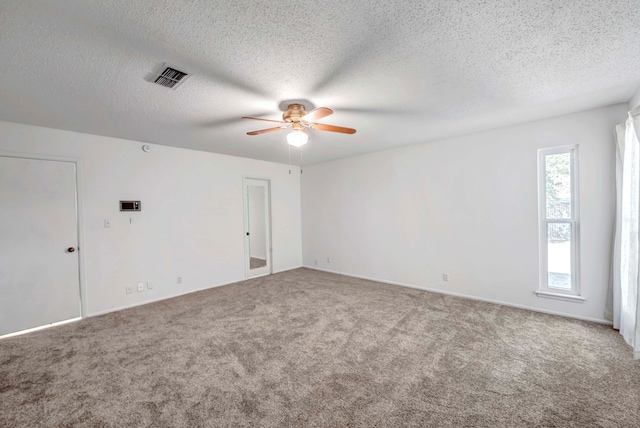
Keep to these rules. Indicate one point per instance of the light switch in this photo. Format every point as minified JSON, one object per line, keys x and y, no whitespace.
{"x":107,"y":223}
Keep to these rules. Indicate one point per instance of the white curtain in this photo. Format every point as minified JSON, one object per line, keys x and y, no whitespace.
{"x":626,"y":254}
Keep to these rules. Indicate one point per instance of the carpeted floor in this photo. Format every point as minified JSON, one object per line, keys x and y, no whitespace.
{"x":307,"y":348}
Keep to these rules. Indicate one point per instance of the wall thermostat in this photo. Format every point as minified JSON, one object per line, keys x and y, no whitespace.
{"x":129,"y":205}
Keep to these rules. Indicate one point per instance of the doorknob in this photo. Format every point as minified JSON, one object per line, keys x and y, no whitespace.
{"x":247,"y":233}
{"x":71,"y":249}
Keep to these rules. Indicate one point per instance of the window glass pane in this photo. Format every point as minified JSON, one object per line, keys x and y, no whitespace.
{"x":558,"y":185}
{"x":559,"y":255}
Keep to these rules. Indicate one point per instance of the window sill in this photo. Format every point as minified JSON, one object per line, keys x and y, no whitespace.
{"x":559,"y":296}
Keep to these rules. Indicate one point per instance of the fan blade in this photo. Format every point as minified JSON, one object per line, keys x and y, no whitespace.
{"x":332,"y":128}
{"x":264,"y":120}
{"x":264,"y":131}
{"x":317,"y":114}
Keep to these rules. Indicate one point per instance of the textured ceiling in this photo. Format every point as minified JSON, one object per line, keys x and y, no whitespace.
{"x":400,"y":72}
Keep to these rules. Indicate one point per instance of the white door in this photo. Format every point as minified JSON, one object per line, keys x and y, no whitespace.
{"x":257,"y":228}
{"x":39,"y":276}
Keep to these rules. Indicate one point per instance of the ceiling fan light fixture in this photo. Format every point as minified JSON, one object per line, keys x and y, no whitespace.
{"x":297,"y":138}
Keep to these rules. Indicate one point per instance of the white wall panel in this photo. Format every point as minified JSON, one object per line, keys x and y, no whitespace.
{"x":191,"y":223}
{"x":466,"y":207}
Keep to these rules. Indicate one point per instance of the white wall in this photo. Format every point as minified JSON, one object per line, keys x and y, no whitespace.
{"x":191,"y":223}
{"x":464,"y":206}
{"x":634,"y":102}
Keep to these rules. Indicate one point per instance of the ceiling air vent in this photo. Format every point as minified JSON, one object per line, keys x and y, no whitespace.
{"x":170,"y":77}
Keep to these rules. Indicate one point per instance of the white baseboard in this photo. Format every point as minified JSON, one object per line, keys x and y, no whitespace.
{"x":466,"y":296}
{"x":159,"y":299}
{"x":288,"y":269}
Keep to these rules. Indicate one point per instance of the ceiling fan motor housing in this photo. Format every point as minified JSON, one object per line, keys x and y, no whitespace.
{"x":294,"y":113}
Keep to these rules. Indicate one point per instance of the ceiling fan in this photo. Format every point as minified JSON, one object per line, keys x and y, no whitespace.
{"x":297,"y":119}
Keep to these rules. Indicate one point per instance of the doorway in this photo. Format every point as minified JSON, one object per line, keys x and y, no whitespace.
{"x":39,"y":263}
{"x":257,"y":227}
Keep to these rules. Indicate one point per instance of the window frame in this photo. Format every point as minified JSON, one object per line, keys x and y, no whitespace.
{"x":574,"y":294}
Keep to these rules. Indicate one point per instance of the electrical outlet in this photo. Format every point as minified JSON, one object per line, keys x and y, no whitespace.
{"x":149,"y":285}
{"x":328,"y":260}
{"x":445,"y":277}
{"x":316,"y":262}
{"x":140,"y":286}
{"x":179,"y":280}
{"x":129,"y":289}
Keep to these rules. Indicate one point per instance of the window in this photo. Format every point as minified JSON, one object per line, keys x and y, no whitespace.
{"x":559,"y":223}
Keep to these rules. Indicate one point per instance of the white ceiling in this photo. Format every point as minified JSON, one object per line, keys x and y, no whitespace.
{"x":400,"y":72}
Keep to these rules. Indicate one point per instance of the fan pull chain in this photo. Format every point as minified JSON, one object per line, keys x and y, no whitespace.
{"x":289,"y":145}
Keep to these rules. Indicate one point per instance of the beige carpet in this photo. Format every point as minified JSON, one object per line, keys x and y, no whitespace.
{"x":306,"y":348}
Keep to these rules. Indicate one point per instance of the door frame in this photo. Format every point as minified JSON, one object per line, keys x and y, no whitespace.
{"x":79,"y":216}
{"x":245,"y":204}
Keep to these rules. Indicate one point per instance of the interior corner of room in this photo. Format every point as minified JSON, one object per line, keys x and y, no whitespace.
{"x":464,"y":206}
{"x":492,"y":175}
